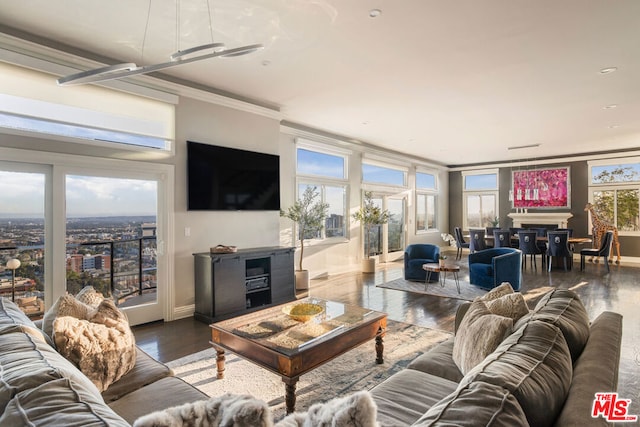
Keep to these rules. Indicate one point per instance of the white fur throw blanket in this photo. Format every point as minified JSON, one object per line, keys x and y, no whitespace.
{"x":101,"y":345}
{"x":226,"y":411}
{"x":355,"y":410}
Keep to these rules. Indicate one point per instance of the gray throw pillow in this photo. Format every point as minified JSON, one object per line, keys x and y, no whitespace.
{"x":479,"y":335}
{"x":505,"y":288}
{"x":510,"y":305}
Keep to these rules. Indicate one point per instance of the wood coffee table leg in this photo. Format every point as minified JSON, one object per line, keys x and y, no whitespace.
{"x":379,"y":346}
{"x":220,"y":363}
{"x":290,"y":393}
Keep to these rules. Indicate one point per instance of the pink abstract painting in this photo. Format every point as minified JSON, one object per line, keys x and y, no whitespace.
{"x":541,"y":188}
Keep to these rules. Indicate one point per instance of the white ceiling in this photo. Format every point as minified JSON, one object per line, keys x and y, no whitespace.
{"x":456,"y":82}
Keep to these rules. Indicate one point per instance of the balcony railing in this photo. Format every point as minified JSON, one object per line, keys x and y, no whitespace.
{"x":124,"y":282}
{"x":131,"y":272}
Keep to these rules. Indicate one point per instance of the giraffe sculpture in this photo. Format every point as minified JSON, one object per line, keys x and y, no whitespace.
{"x":600,"y":227}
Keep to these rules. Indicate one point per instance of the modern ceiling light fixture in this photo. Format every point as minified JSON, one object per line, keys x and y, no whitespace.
{"x":181,"y":57}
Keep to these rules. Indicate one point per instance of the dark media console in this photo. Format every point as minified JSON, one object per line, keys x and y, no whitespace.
{"x":228,"y":285}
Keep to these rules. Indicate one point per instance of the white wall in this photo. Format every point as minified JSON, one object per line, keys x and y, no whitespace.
{"x":217,"y":125}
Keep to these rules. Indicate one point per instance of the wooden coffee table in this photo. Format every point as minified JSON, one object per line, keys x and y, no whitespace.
{"x":289,"y":348}
{"x":444,"y":269}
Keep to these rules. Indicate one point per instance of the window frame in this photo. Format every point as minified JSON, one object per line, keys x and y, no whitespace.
{"x":612,"y":186}
{"x":427,"y":192}
{"x":386,"y":165}
{"x":495,"y":192}
{"x":321,"y":182}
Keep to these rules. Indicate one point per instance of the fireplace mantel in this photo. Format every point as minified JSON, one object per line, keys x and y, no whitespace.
{"x":559,"y":218}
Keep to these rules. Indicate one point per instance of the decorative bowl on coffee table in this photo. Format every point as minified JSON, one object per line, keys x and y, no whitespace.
{"x":302,"y":312}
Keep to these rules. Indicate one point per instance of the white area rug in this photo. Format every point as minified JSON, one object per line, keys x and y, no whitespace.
{"x":353,"y":371}
{"x":467,"y":292}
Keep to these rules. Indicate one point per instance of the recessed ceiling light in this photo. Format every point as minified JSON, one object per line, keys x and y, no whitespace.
{"x":610,"y":106}
{"x":266,"y":63}
{"x":614,"y":126}
{"x":608,"y":70}
{"x":365,"y":122}
{"x":374,"y":13}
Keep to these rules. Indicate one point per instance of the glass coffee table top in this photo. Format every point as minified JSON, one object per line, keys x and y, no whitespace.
{"x":274,"y":329}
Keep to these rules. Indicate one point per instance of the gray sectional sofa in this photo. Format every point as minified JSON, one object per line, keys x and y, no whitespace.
{"x":40,"y":387}
{"x":545,"y":372}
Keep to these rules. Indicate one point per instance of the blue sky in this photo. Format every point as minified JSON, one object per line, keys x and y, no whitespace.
{"x":22,"y":194}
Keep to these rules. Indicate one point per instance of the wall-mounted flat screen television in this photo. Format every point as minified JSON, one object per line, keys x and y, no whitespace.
{"x":222,"y":178}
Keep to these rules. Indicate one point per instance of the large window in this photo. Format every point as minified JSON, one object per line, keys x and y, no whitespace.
{"x":615,"y":193}
{"x":480,"y":189}
{"x":31,"y":103}
{"x":327,"y":171}
{"x":426,"y":194}
{"x":377,"y":174}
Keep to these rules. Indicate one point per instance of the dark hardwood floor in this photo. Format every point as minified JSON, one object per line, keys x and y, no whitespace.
{"x":615,"y":291}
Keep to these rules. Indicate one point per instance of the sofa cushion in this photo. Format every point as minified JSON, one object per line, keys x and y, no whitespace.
{"x":404,"y":397}
{"x":479,"y":334}
{"x":103,"y":346}
{"x":157,"y":396}
{"x":27,"y":362}
{"x":439,"y":362}
{"x":563,"y":308}
{"x":145,"y":371}
{"x":12,"y":319}
{"x":487,"y":404}
{"x":59,"y":402}
{"x":533,"y":364}
{"x":595,"y":370}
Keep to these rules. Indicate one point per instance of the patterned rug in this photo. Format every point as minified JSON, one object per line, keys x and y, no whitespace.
{"x":467,"y":292}
{"x":353,"y":371}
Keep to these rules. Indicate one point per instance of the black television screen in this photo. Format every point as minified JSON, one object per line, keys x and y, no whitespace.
{"x":221,"y":178}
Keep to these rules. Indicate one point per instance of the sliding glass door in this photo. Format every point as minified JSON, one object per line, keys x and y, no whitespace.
{"x":78,"y":221}
{"x":111,"y":237}
{"x":388,"y":240}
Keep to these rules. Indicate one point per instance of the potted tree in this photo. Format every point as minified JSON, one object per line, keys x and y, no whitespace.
{"x":309,"y":216}
{"x":369,"y":215}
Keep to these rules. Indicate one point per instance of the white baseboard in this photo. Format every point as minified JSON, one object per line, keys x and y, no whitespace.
{"x":184,"y":311}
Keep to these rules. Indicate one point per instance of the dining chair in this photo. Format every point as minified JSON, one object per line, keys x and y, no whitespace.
{"x":489,"y":233}
{"x":604,"y":251}
{"x":528,"y":245}
{"x":513,"y":231}
{"x":501,"y":239}
{"x":460,"y":242}
{"x":558,"y":246}
{"x":477,"y":242}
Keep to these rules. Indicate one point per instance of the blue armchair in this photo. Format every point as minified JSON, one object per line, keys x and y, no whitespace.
{"x":417,"y":254}
{"x":490,"y":267}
